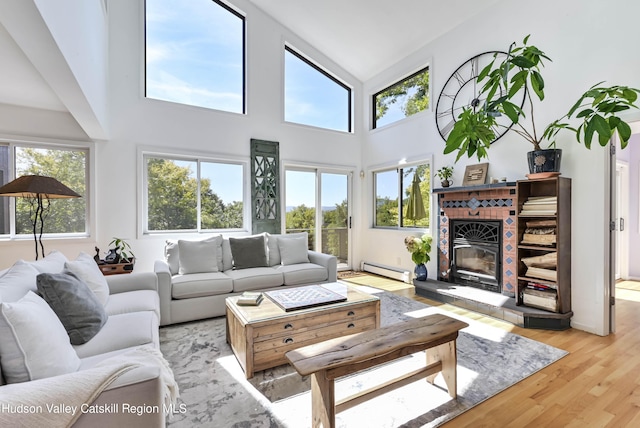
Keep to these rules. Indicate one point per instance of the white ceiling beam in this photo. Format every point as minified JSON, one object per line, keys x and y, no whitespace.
{"x":24,"y":22}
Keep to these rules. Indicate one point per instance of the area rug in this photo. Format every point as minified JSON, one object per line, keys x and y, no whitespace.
{"x":215,"y":393}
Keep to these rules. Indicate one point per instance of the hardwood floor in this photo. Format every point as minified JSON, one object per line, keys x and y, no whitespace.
{"x":596,"y":385}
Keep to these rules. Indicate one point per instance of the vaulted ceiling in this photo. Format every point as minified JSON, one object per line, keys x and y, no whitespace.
{"x":362,"y":36}
{"x":367,"y":36}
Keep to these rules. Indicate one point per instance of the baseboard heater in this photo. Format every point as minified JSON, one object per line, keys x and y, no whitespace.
{"x":387,"y":271}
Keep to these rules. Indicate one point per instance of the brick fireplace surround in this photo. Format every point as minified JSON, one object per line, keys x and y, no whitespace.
{"x":484,"y":202}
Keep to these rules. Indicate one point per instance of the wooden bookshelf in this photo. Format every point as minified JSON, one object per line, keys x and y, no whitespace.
{"x":544,"y":244}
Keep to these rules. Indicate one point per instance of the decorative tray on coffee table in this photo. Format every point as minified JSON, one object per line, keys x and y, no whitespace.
{"x":304,"y":297}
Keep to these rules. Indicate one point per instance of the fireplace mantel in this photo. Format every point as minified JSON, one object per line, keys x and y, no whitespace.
{"x":474,"y":188}
{"x":483,"y":202}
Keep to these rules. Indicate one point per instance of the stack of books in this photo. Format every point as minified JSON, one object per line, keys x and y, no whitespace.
{"x":250,"y":298}
{"x":540,"y":205}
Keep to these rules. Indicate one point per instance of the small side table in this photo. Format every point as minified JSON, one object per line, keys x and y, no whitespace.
{"x":116,"y":268}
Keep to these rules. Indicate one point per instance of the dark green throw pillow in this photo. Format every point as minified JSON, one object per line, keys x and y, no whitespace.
{"x":248,"y":252}
{"x":80,"y":312}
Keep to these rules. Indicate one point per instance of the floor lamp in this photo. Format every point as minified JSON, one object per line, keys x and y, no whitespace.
{"x":38,"y":190}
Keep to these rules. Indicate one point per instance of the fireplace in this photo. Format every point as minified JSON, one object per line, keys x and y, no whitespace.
{"x":476,"y":254}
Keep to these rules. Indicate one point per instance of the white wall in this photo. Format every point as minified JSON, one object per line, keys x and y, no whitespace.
{"x":137,"y":123}
{"x":150,"y":124}
{"x":587,"y":46}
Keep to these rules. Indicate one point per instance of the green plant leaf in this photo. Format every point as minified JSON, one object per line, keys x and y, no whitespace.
{"x":589,"y":129}
{"x":601,"y":126}
{"x":584,"y":113}
{"x":537,"y":84}
{"x":624,"y":132}
{"x":485,"y":71}
{"x":522,"y":62}
{"x":510,"y":111}
{"x":630,"y":94}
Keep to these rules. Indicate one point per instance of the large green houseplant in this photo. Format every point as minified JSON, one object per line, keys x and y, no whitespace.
{"x":596,"y":110}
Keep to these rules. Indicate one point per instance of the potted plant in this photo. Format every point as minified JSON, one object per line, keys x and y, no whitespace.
{"x":419,"y":249}
{"x":520,"y":70}
{"x":120,"y":253}
{"x":444,"y":174}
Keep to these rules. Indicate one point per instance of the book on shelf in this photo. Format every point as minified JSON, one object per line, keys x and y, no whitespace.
{"x":540,"y":286}
{"x":250,"y":298}
{"x":543,"y":273}
{"x":542,"y":199}
{"x":540,"y":205}
{"x":541,"y":299}
{"x":541,"y":213}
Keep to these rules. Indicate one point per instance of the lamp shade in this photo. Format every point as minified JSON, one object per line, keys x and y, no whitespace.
{"x":31,"y":186}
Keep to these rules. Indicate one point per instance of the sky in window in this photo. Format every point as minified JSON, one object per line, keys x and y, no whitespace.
{"x":300,"y":189}
{"x":312,"y":98}
{"x":194,"y":54}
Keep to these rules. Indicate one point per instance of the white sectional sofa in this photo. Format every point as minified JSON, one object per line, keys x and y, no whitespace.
{"x":37,"y":358}
{"x":196,"y":277}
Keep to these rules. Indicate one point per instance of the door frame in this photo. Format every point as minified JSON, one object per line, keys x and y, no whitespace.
{"x":622,"y":219}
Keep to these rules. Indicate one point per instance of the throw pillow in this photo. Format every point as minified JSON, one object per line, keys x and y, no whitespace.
{"x":79,"y":310}
{"x":200,"y":256}
{"x":172,"y":256}
{"x":33,"y":342}
{"x":17,"y":281}
{"x":274,"y":250}
{"x":293,"y":250}
{"x":249,"y":252}
{"x":86,"y":269}
{"x":52,"y":262}
{"x":273,"y":253}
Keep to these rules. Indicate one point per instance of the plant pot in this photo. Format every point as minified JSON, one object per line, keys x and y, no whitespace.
{"x":445,"y":183}
{"x":544,"y":161}
{"x":420,"y":272}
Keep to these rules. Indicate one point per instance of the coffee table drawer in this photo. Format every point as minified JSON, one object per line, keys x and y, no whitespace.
{"x":297,"y":324}
{"x":270,"y":352}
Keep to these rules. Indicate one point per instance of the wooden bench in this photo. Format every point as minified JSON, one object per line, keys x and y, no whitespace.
{"x":328,"y":360}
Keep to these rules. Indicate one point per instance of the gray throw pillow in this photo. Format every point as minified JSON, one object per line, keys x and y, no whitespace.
{"x":79,"y":310}
{"x":249,"y":252}
{"x":200,"y":256}
{"x":293,"y":250}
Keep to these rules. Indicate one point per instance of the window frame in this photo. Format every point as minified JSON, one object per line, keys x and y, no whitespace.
{"x":399,"y":185}
{"x":198,"y":159}
{"x":234,"y":12}
{"x":305,"y":59}
{"x":374,"y":120}
{"x":89,"y":165}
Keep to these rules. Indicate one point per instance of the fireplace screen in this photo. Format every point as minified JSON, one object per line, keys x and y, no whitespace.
{"x":476,"y":251}
{"x":475,"y":259}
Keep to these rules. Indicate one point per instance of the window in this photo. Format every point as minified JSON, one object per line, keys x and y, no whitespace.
{"x":67,"y":165}
{"x":193,"y":194}
{"x":195,"y":54}
{"x":402,"y":99}
{"x":312,"y":96}
{"x":395,"y":205}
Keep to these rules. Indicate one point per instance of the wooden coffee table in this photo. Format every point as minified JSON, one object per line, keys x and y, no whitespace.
{"x":261,"y":335}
